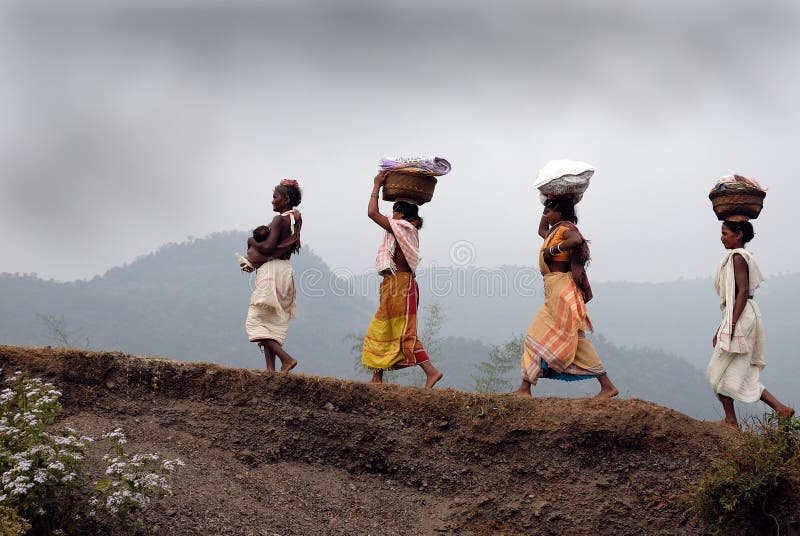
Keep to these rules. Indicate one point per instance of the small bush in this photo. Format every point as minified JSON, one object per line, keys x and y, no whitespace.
{"x":739,"y":488}
{"x":130,"y":484}
{"x":41,"y":472}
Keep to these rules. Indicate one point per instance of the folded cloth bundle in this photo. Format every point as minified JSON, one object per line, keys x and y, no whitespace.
{"x":737,"y":182}
{"x":432,"y":165}
{"x":564,"y":178}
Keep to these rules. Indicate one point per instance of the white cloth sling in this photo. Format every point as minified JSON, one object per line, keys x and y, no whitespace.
{"x":290,"y":213}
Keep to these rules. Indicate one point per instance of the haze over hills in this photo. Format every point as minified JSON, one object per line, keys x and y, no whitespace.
{"x":188,"y":301}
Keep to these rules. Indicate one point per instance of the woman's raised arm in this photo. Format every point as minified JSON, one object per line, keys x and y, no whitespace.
{"x":544,"y":226}
{"x":372,"y":209}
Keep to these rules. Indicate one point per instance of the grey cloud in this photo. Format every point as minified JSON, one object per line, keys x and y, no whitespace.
{"x":147,"y":103}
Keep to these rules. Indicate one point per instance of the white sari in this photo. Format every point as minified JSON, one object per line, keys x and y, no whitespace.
{"x":274,"y":299}
{"x":739,"y":356}
{"x":273,"y":302}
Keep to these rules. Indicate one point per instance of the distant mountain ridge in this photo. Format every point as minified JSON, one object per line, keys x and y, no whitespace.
{"x":189,"y":300}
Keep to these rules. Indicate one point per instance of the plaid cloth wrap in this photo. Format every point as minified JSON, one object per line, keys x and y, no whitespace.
{"x":405,"y":234}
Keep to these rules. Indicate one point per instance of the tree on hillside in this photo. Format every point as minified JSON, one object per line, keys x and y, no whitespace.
{"x":431,"y":337}
{"x":494,"y":375}
{"x":59,"y":332}
{"x":431,"y":334}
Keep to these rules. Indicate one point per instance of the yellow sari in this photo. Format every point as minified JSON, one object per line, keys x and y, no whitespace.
{"x":391,"y":341}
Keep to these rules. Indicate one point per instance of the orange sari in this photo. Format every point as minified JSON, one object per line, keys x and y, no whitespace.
{"x":556,"y":345}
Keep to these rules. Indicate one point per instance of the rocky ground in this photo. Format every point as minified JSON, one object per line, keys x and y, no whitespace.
{"x":275,"y":454}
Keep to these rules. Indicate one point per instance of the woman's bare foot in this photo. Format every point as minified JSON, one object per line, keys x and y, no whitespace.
{"x":607,"y":388}
{"x":726,"y":424}
{"x":523,"y":391}
{"x":433,"y":378}
{"x":377,"y":377}
{"x":607,"y":392}
{"x":276,"y":350}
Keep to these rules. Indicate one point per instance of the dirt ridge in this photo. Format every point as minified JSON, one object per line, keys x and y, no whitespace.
{"x":271,"y":453}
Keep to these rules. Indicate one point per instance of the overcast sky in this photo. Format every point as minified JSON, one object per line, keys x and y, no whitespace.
{"x":128,"y":125}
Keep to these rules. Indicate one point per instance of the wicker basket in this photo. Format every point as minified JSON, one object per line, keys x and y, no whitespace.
{"x":744,"y":202}
{"x":415,"y":187}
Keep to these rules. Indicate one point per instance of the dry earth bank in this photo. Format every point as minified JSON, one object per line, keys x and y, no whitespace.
{"x":270,"y":453}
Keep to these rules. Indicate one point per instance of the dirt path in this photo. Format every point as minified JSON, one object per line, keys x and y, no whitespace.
{"x":288,"y":454}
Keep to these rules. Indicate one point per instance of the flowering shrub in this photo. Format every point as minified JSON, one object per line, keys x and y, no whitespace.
{"x":41,"y":472}
{"x":131,"y":482}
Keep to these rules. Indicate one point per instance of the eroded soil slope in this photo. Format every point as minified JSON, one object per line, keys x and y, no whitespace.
{"x":270,"y":453}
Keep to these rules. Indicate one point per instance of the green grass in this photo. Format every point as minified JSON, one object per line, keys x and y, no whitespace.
{"x":739,"y":489}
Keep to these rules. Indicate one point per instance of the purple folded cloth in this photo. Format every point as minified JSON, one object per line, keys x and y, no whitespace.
{"x":430,"y":166}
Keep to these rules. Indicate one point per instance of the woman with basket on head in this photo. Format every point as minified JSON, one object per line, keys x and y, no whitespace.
{"x":556,"y":346}
{"x":391,"y":341}
{"x":272,"y":303}
{"x":739,"y":356}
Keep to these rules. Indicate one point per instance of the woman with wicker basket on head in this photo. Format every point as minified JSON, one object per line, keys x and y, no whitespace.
{"x":556,"y":346}
{"x":391,"y":341}
{"x":272,"y":303}
{"x":738,"y":356}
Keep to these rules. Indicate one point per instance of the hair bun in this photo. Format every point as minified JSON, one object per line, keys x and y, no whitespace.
{"x":289,"y":182}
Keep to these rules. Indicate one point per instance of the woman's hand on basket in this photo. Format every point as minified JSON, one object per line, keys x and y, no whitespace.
{"x":380,"y":179}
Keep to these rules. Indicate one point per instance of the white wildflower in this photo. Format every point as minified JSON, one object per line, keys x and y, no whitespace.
{"x":116,"y":435}
{"x":56,"y":466}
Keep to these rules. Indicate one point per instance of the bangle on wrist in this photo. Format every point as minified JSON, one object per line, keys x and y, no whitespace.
{"x":374,"y":194}
{"x":558,"y":247}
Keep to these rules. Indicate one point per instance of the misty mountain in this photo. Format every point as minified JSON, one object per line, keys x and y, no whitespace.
{"x":188,"y":301}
